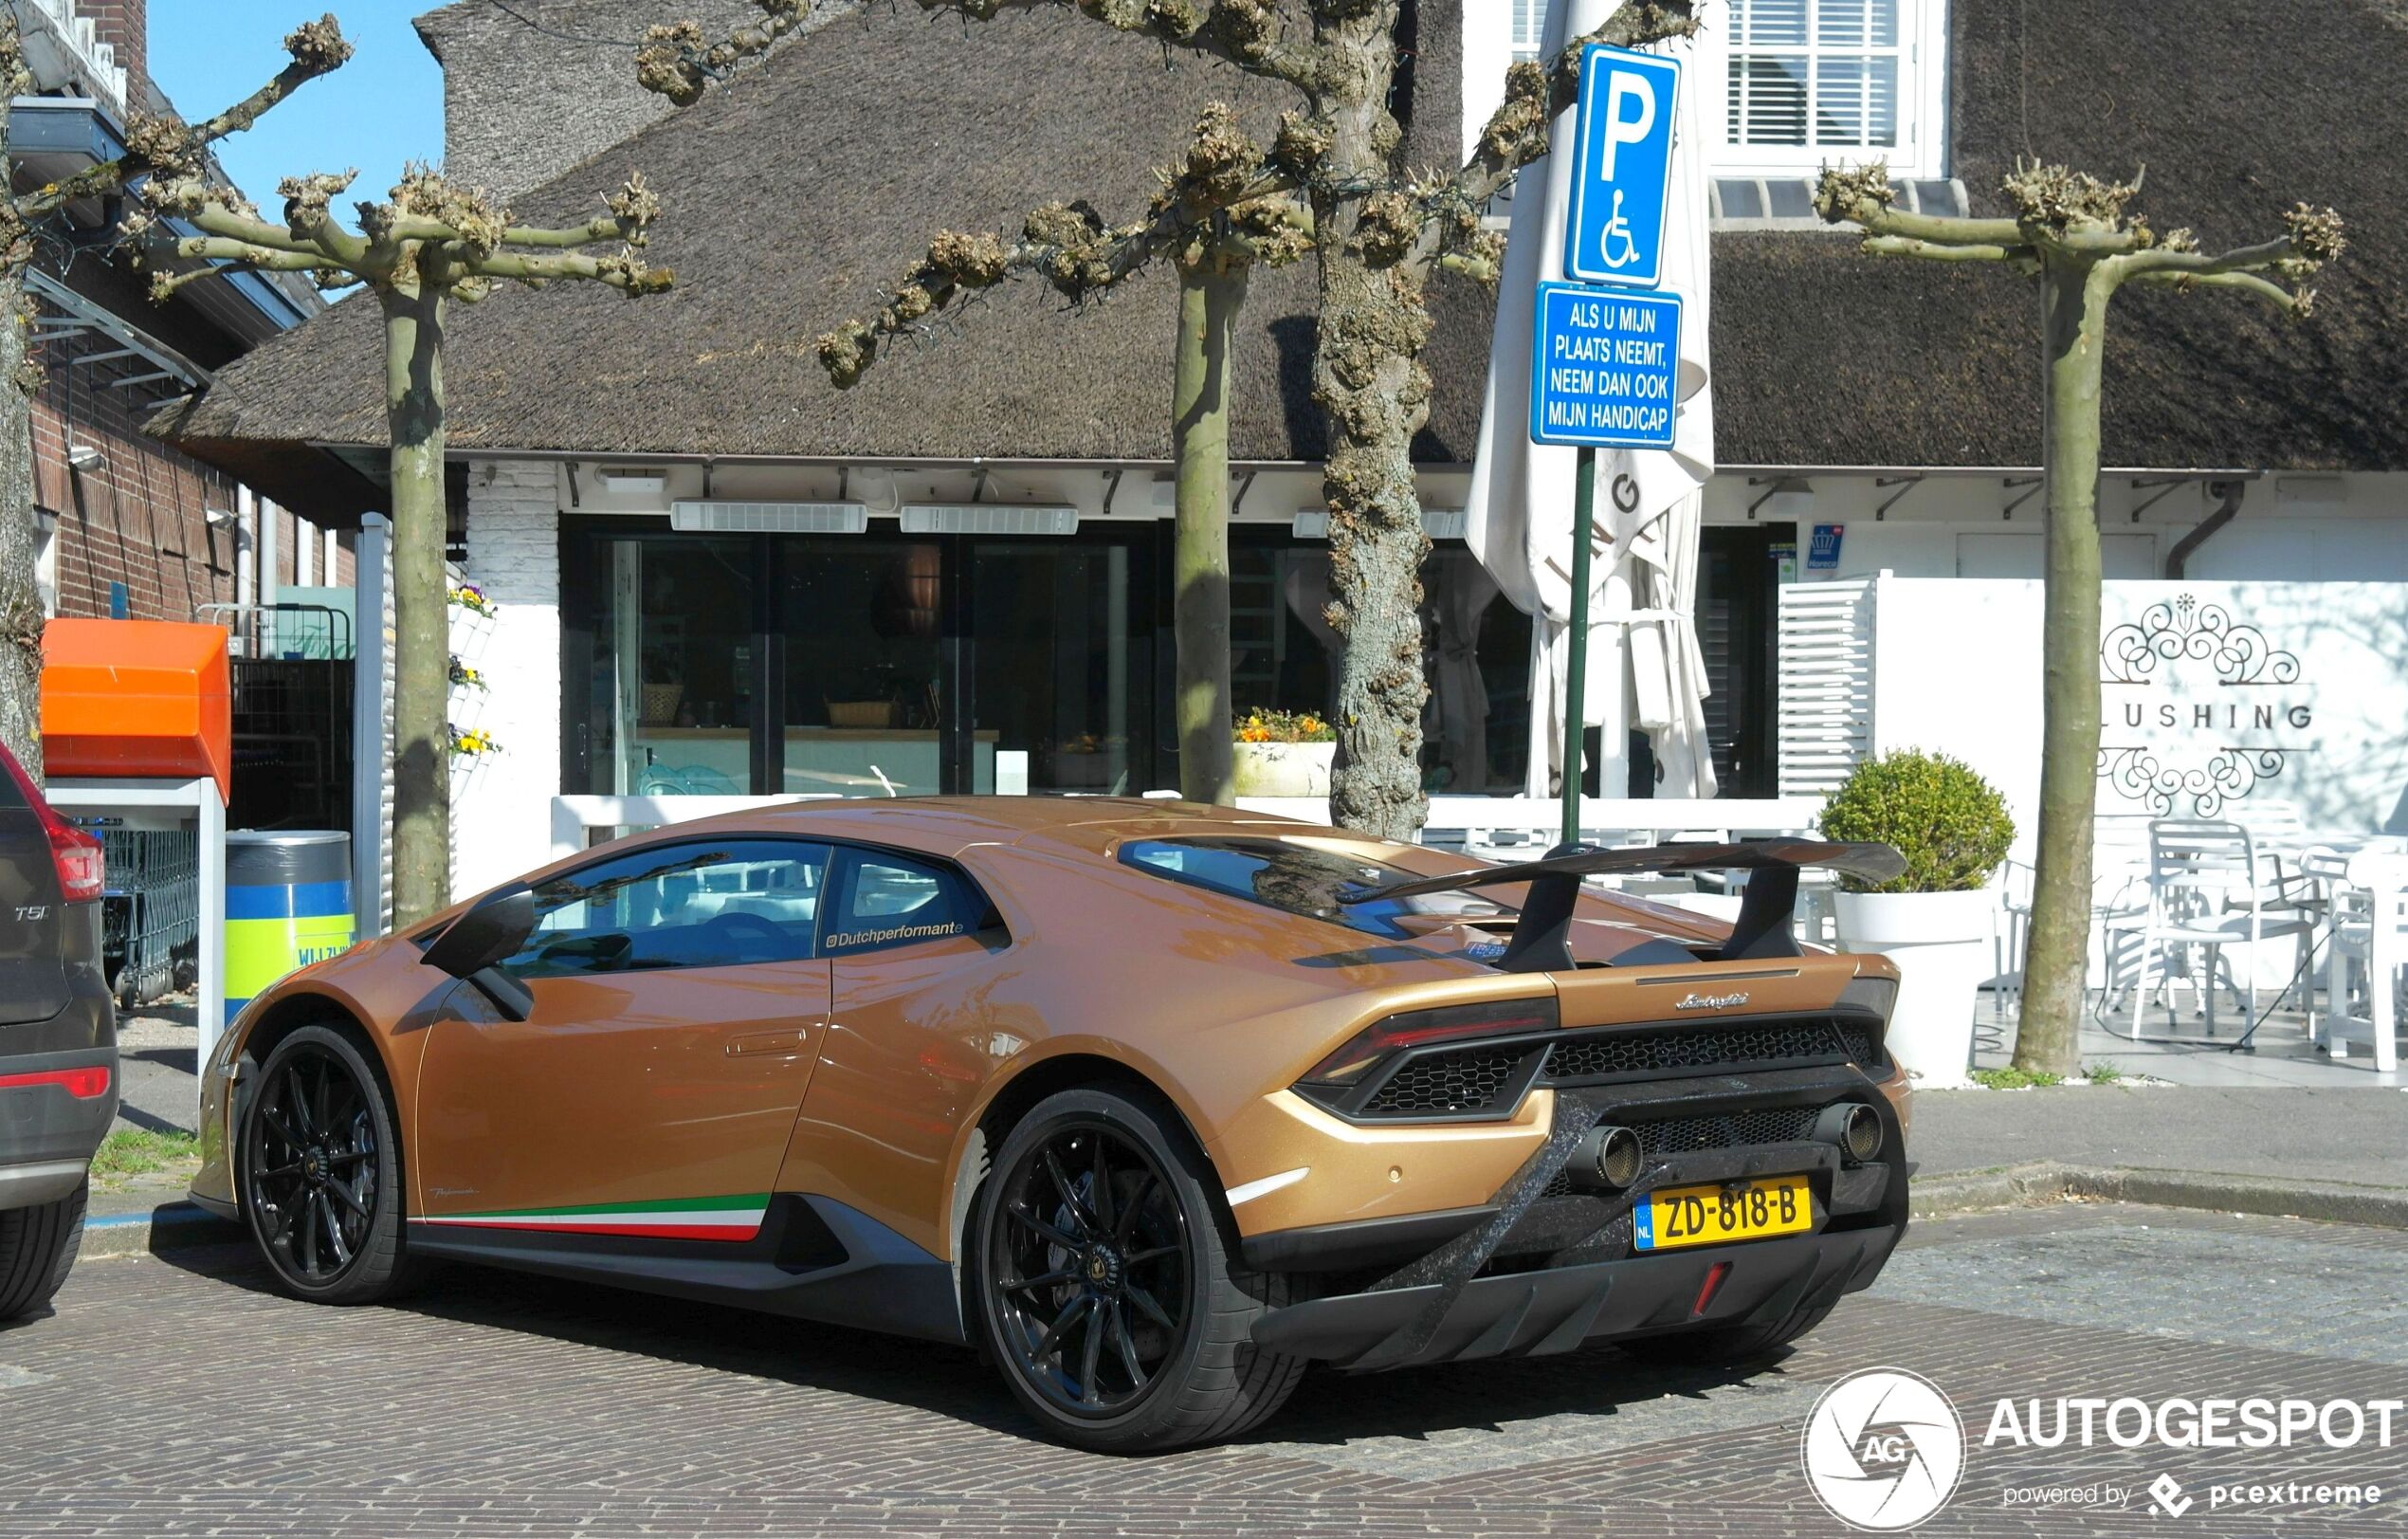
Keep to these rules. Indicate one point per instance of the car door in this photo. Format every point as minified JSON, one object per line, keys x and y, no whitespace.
{"x":679,"y":1003}
{"x":922,"y":1004}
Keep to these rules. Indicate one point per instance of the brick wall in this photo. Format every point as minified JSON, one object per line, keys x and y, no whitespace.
{"x":501,"y":802}
{"x":124,"y":25}
{"x":139,"y":517}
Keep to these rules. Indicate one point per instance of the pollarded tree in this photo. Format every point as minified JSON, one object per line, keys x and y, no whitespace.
{"x":430,"y":243}
{"x":1215,"y":218}
{"x":1378,"y":234}
{"x":154,"y":146}
{"x":2078,"y":237}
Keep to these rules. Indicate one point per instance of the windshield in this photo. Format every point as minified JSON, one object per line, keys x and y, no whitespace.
{"x":1299,"y":879}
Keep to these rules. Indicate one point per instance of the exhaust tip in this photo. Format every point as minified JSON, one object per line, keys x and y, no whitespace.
{"x":1853,"y":1126}
{"x":1610,"y":1157}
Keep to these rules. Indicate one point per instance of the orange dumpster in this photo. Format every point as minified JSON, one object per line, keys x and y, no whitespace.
{"x":133,"y":699}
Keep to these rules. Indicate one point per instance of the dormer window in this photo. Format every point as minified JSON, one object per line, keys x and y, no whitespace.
{"x":1806,"y":82}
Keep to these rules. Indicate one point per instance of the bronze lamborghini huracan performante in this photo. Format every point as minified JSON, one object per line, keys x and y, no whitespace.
{"x":1156,"y":1104}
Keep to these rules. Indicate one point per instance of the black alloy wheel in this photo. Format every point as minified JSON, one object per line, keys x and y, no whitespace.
{"x":1091,"y":1270}
{"x":321,"y":1173}
{"x":1107,"y":1283}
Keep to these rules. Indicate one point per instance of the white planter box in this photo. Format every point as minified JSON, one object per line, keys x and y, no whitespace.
{"x":1284,"y":769}
{"x":1940,"y":942}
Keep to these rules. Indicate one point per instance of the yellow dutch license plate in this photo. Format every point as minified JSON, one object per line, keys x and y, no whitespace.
{"x":1714,"y":1214}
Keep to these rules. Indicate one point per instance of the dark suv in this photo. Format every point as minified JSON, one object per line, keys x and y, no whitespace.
{"x":58,"y":1039}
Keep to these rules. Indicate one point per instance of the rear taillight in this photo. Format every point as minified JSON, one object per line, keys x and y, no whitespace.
{"x":87,"y":1084}
{"x":76,"y":853}
{"x":1419,"y":1028}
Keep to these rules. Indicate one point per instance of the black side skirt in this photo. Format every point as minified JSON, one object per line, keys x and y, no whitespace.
{"x":814,"y":1260}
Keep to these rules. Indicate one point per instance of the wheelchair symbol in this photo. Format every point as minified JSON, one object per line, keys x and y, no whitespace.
{"x":1619,"y":228}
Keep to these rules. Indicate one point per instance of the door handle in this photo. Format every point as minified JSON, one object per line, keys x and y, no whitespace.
{"x":789,"y":1039}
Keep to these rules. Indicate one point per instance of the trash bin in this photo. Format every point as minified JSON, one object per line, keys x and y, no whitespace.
{"x":287,"y":905}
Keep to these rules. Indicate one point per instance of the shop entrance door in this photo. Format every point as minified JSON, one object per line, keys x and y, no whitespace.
{"x":1059,"y":653}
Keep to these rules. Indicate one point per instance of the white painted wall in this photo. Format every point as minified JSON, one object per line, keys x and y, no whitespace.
{"x":1956,"y":671}
{"x":501,"y":802}
{"x":2309,"y":528}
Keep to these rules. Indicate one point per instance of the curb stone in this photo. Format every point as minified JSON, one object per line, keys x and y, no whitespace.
{"x":2038,"y":1184}
{"x":170,"y":1226}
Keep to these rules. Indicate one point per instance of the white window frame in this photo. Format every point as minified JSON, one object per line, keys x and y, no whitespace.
{"x":1519,"y":47}
{"x":1922,"y":103}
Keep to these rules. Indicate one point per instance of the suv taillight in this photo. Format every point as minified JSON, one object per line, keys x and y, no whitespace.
{"x":74,"y":852}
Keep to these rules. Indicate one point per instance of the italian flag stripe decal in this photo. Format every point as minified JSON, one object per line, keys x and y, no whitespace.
{"x":691,"y":1217}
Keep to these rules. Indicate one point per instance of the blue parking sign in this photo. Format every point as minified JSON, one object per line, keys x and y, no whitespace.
{"x":1623,"y":177}
{"x":1603,"y":367}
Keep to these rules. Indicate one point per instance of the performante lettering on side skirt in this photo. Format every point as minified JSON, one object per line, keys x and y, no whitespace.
{"x":899,"y":932}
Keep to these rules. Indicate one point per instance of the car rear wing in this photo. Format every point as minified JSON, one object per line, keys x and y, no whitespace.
{"x":1542,"y":937}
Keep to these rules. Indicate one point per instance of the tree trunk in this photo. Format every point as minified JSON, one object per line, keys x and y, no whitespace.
{"x":1211,"y":290}
{"x":20,"y":596}
{"x":2074,"y":324}
{"x":1367,"y":374}
{"x":422,"y":645}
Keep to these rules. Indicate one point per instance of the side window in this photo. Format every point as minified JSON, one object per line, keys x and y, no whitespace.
{"x":718,"y":903}
{"x":888,"y":900}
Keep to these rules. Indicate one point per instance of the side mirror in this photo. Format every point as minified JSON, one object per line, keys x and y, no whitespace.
{"x":491,"y":932}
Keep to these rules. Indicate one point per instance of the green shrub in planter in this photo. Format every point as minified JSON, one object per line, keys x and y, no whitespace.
{"x":1950,"y":823}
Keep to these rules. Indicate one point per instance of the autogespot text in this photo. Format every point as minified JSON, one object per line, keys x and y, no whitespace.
{"x":2132,"y":1422}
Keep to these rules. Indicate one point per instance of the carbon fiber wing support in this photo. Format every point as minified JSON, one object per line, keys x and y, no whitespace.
{"x":1542,"y":937}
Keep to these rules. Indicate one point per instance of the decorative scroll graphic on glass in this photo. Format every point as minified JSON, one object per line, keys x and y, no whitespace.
{"x":2198,"y":708}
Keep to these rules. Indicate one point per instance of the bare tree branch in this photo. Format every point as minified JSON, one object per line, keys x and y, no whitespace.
{"x":1937,"y":251}
{"x":166,"y":146}
{"x":2300,"y":303}
{"x":1225,"y":188}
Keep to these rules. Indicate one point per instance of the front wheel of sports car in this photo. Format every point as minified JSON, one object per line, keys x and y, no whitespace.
{"x":1107,"y":1285}
{"x":321,"y":1170}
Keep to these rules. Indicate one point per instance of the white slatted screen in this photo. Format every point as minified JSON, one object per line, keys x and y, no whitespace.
{"x":1826,"y":713}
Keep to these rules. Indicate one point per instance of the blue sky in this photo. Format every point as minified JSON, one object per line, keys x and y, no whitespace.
{"x":381,"y":109}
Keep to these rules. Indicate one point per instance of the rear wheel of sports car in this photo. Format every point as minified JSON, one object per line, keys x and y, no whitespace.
{"x":321,"y":1170}
{"x":1107,"y":1282}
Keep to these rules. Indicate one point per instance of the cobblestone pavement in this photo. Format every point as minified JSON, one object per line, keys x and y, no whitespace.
{"x":179,"y":1396}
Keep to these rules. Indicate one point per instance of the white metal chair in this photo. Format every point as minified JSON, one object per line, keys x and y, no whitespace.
{"x":2207,"y":891}
{"x":2370,"y":936}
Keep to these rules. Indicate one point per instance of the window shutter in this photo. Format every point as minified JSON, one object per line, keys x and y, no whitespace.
{"x":1815,"y":74}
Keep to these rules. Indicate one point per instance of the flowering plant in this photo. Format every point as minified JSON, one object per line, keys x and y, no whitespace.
{"x":474,"y":744}
{"x":466,"y":677}
{"x":1263,"y":724}
{"x":472,"y":599}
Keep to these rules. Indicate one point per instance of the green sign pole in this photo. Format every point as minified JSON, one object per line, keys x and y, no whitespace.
{"x":1576,"y":671}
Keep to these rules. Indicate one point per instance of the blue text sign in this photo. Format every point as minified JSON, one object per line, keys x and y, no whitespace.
{"x":1602,"y":367}
{"x":1823,"y":555}
{"x":1624,"y":174}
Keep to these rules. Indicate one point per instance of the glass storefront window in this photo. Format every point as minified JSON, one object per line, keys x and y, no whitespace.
{"x":1056,"y":660}
{"x":1475,"y":653}
{"x":861,"y":622}
{"x":670,"y":709}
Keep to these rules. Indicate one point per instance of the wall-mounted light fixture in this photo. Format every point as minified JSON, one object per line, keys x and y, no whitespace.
{"x":2310,"y":494}
{"x":85,"y":457}
{"x":1785,"y":499}
{"x":633,"y":480}
{"x":218,"y":518}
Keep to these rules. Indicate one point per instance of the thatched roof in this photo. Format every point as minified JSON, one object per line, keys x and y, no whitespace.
{"x":795,"y":194}
{"x":2238,"y":108}
{"x":792,"y":198}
